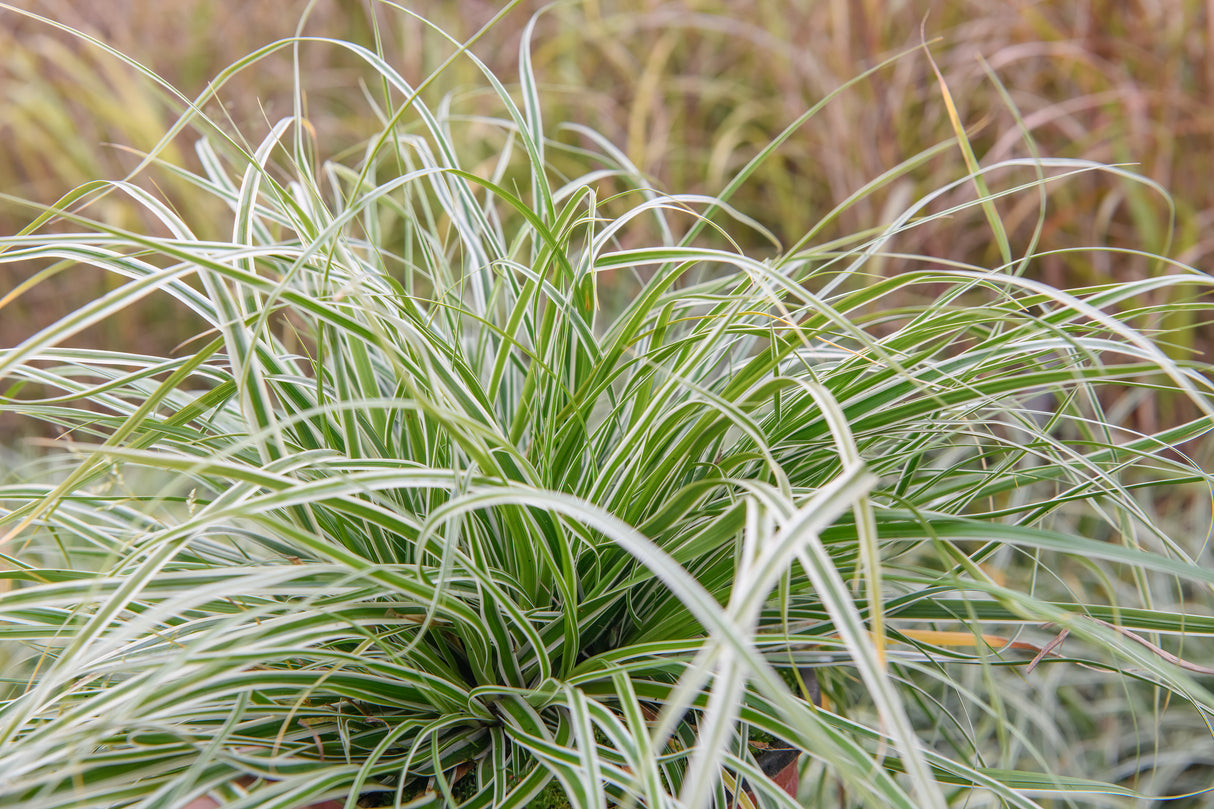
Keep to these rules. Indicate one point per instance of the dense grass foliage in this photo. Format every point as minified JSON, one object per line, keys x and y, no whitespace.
{"x":496,"y":467}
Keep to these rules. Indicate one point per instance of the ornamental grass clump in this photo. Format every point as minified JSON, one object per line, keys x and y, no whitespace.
{"x":498,"y":474}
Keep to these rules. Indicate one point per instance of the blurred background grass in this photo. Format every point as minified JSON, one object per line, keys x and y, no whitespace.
{"x":691,"y":90}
